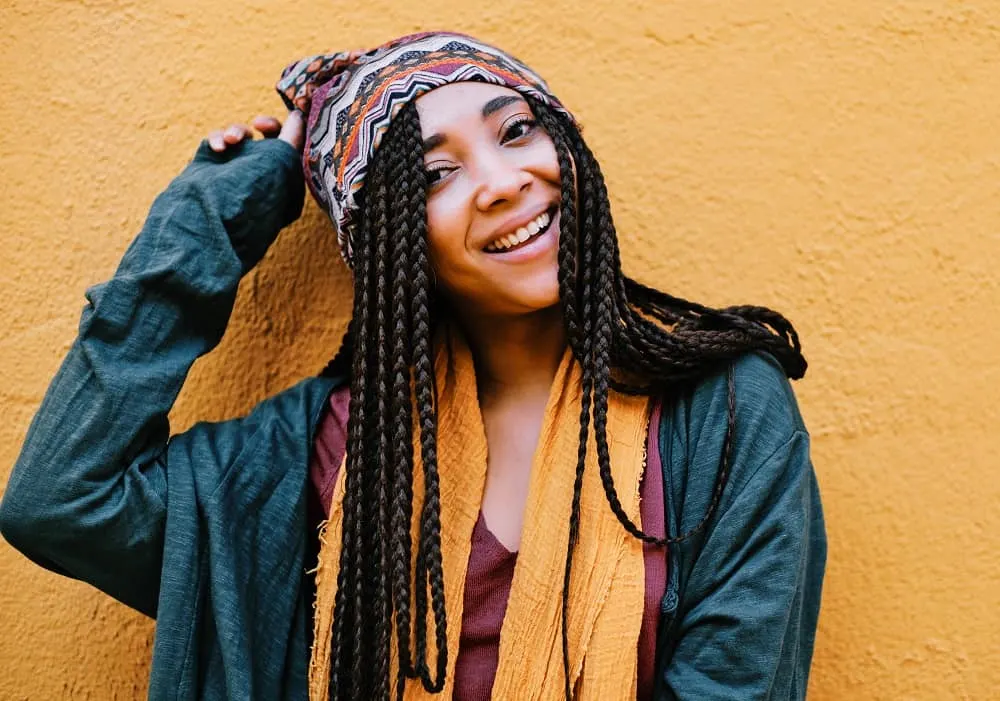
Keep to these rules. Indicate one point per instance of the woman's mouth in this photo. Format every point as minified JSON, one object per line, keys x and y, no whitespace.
{"x":523,"y":236}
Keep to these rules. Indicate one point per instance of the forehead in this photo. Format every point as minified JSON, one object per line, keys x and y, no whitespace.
{"x":456,"y":103}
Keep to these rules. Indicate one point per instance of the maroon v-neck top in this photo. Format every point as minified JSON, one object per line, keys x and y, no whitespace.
{"x":491,"y":565}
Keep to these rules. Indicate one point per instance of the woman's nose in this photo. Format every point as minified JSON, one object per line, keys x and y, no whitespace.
{"x":501,"y":179}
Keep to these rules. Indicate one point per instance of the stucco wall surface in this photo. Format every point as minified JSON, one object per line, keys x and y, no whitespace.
{"x":838,"y":160}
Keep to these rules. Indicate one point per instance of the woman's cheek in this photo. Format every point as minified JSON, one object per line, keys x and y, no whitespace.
{"x":545,"y":160}
{"x":446,"y":232}
{"x":437,"y":226}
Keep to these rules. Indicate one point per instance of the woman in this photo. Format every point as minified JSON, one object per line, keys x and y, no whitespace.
{"x":533,"y":476}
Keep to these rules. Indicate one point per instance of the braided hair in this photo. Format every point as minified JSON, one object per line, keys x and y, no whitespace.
{"x":626,"y":336}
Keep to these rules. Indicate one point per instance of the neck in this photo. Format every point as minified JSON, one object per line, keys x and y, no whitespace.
{"x":516,"y":355}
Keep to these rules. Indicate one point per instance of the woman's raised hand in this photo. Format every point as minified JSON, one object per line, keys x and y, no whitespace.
{"x":257,"y":186}
{"x":292,"y":132}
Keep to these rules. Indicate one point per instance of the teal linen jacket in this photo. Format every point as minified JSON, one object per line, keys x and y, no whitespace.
{"x":206,"y":530}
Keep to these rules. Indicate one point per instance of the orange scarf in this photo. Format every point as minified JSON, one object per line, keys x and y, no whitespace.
{"x":606,"y":592}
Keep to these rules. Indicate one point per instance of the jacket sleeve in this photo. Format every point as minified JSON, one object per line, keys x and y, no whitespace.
{"x":750,"y":584}
{"x":87,"y":495}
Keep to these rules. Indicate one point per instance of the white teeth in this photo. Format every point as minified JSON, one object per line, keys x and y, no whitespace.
{"x":522,"y":234}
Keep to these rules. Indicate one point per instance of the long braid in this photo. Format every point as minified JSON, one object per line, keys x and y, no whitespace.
{"x":344,"y":633}
{"x":430,"y":574}
{"x":404,"y":173}
{"x":627,"y":337}
{"x":578,"y":329}
{"x":365,"y":556}
{"x":379,"y":565}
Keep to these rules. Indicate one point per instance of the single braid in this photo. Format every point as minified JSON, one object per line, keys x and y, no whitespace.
{"x":366,"y":553}
{"x":405,"y":172}
{"x":379,"y":565}
{"x":578,"y":329}
{"x":345,"y":641}
{"x":430,"y":574}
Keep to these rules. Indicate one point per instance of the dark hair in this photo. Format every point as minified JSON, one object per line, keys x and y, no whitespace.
{"x":627,"y":337}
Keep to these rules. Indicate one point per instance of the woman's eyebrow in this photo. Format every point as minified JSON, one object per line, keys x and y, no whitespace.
{"x":498,"y":103}
{"x":491,"y":107}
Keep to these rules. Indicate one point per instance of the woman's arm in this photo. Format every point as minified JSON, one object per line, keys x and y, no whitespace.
{"x":87,"y":495}
{"x":750,"y":585}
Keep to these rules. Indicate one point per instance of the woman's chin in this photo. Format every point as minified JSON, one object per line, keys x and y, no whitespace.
{"x":523,"y":294}
{"x":537,"y":299}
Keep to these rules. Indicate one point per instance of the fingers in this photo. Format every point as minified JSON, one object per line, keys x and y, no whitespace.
{"x":270,"y":127}
{"x":293,"y":132}
{"x":216,"y":141}
{"x":266,"y":125}
{"x":233,"y":134}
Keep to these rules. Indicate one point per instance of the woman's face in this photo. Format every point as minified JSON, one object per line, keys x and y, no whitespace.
{"x":493,"y":200}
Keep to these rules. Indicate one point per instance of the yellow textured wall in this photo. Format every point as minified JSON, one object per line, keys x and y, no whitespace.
{"x":836,"y":159}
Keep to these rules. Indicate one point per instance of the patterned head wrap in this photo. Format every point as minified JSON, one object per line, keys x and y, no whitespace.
{"x":349,"y":99}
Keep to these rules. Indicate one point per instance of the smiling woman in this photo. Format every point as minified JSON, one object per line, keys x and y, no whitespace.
{"x":523,"y":474}
{"x":493,"y":179}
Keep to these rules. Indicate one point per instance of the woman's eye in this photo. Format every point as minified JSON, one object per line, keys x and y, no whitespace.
{"x":518,"y":129}
{"x":434,"y":175}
